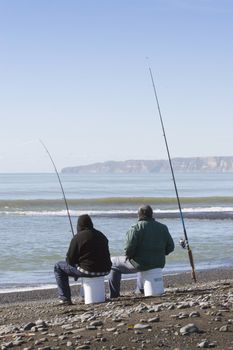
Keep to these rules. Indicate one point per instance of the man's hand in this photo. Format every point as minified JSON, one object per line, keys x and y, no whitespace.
{"x":127,"y":258}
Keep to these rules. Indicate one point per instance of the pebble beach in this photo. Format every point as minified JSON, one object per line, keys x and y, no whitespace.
{"x":187,"y":316}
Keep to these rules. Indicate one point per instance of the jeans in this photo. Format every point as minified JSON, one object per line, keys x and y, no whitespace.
{"x":62,"y":272}
{"x":121,"y":266}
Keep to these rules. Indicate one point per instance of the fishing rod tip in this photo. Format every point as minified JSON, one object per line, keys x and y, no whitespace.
{"x":148,"y":60}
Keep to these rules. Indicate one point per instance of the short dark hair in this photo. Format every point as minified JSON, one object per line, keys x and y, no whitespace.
{"x":145,"y":212}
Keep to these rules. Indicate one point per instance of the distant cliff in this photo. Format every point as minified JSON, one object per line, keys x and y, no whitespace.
{"x":194,"y":164}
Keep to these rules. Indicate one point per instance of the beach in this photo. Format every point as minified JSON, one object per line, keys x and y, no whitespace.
{"x":187,"y":316}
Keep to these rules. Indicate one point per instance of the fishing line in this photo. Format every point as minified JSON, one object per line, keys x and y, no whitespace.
{"x":62,"y":189}
{"x":184,"y":244}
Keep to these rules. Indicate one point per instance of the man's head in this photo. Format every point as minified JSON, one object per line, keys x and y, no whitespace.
{"x":84,"y":221}
{"x":145,"y":212}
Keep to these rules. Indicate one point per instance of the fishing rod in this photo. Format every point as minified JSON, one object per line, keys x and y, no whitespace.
{"x":184,"y":243}
{"x":63,"y":192}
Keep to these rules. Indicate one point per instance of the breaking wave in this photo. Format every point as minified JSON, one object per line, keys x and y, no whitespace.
{"x":193,"y":207}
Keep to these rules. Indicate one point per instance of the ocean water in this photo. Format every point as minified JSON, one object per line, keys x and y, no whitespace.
{"x":35,"y":231}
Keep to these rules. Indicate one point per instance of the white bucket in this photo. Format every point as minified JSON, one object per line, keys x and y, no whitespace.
{"x":94,"y":289}
{"x":152,"y":282}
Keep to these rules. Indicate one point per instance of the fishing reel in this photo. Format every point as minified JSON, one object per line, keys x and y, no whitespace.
{"x":183,"y":243}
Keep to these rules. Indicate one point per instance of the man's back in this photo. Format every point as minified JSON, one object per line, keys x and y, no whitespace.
{"x":93,"y":250}
{"x":147,"y":244}
{"x":89,"y":248}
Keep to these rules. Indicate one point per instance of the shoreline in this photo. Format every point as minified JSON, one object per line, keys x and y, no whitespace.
{"x":175,"y":280}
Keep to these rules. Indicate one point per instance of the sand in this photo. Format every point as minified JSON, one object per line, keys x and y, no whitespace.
{"x":187,"y":316}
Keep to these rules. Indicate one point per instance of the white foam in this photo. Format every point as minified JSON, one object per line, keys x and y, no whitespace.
{"x":118,"y":212}
{"x":16,"y":289}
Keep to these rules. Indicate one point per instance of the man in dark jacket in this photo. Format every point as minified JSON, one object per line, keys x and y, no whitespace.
{"x":88,"y":256}
{"x":147,"y":244}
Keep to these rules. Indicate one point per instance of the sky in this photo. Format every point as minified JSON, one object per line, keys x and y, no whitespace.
{"x":74,"y":74}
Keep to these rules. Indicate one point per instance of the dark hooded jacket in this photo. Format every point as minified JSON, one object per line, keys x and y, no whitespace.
{"x":89,"y":248}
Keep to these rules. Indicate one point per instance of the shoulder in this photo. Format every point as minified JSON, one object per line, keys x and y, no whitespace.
{"x":159,"y":224}
{"x":82,"y":235}
{"x":137,"y":226}
{"x":100,"y":234}
{"x":163,"y":229}
{"x":74,"y":240}
{"x":75,"y":237}
{"x":136,"y":229}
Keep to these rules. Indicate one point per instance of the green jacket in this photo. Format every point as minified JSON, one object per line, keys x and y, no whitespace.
{"x":147,"y":244}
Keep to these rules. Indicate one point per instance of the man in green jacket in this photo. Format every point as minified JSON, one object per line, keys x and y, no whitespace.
{"x":147,"y":244}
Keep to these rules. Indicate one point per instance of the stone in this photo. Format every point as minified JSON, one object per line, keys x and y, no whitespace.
{"x":41,"y":323}
{"x":183,"y":306}
{"x":116,"y":319}
{"x":188,"y":329}
{"x":154,"y":319}
{"x":91,"y":328}
{"x":96,"y":323}
{"x":224,"y":328}
{"x":206,"y":344}
{"x":18,"y":342}
{"x":29,"y":326}
{"x":113,"y":329}
{"x":182,"y":315}
{"x":218,"y":319}
{"x":194,"y":314}
{"x":141,"y":326}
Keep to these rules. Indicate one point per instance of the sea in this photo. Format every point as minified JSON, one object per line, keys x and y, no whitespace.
{"x":35,"y":230}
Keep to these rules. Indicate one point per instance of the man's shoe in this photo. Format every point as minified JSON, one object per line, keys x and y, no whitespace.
{"x":65,"y":302}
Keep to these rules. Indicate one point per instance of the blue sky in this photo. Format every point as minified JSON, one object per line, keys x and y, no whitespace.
{"x":74,"y":74}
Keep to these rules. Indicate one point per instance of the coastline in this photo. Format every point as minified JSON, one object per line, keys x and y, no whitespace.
{"x":176,"y":280}
{"x":188,"y":316}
